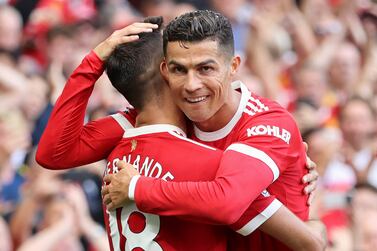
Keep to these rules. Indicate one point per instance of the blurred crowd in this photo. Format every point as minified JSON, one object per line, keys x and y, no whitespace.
{"x":317,"y":58}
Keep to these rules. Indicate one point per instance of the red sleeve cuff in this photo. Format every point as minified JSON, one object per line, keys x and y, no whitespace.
{"x":258,"y":212}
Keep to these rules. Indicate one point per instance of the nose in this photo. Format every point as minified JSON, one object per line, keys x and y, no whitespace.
{"x":193,"y":83}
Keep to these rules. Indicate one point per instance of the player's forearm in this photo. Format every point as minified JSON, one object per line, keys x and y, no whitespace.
{"x":319,"y":232}
{"x":221,"y":201}
{"x":202,"y":201}
{"x":293,"y":232}
{"x":60,"y":143}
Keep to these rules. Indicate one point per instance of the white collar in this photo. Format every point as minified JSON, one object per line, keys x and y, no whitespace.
{"x":148,"y":129}
{"x":223,"y":132}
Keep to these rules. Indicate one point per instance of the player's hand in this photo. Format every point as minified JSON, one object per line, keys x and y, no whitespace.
{"x":311,"y":178}
{"x":125,"y":35}
{"x":115,"y":192}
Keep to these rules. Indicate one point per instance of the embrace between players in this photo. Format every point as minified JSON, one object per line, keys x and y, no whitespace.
{"x":236,"y":184}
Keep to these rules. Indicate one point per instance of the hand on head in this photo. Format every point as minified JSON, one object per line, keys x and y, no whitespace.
{"x":125,"y":35}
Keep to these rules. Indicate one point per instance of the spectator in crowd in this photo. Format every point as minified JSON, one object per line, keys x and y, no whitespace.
{"x":357,"y":160}
{"x":14,"y":141}
{"x":359,"y":229}
{"x":10,"y":33}
{"x":70,"y":206}
{"x":344,"y":71}
{"x":314,"y":106}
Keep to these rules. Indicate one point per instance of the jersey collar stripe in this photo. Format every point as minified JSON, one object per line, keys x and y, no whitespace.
{"x":157,"y":128}
{"x":257,"y":154}
{"x":223,"y":132}
{"x":122,"y":121}
{"x":249,"y":227}
{"x":192,"y":141}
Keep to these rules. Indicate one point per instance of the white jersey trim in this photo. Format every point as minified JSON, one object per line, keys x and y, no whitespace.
{"x":223,"y":132}
{"x":113,"y":225}
{"x":192,"y":141}
{"x":257,"y":154}
{"x":258,"y":220}
{"x":132,"y":187}
{"x":122,"y":121}
{"x":148,"y":129}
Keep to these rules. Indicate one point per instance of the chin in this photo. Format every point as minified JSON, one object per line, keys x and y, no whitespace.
{"x":198,"y":118}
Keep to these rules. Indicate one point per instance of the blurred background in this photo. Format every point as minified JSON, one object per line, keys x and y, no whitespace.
{"x":317,"y":58}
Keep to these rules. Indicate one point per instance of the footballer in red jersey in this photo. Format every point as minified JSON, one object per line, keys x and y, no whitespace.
{"x":152,"y":149}
{"x":158,"y":150}
{"x":260,"y":139}
{"x":261,"y":136}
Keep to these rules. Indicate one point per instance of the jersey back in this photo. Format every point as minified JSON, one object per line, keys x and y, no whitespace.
{"x":171,"y":157}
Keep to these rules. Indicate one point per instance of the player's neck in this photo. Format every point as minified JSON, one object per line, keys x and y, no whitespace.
{"x":160,"y":113}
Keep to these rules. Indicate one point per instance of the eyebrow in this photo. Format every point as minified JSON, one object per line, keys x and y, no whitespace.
{"x":209,"y":61}
{"x":173,"y":62}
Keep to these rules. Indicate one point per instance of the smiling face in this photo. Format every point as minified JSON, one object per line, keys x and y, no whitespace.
{"x":200,"y":77}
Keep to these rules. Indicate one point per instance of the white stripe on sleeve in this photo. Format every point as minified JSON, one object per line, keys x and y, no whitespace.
{"x":257,"y":154}
{"x":132,"y":187}
{"x":253,"y":224}
{"x":122,"y":121}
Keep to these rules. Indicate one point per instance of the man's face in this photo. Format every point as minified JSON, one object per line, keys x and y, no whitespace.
{"x":199,"y":76}
{"x":357,"y":124}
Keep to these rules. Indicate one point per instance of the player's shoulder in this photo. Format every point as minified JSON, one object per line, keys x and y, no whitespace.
{"x":126,"y":118}
{"x":265,"y":117}
{"x":260,"y":109}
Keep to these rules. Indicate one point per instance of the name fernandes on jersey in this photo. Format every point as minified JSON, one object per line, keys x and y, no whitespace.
{"x":145,"y":165}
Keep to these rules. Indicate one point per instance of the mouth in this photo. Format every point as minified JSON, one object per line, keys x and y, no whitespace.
{"x":195,"y":100}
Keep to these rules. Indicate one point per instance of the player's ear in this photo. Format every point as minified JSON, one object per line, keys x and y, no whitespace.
{"x":235,"y":64}
{"x":164,"y":70}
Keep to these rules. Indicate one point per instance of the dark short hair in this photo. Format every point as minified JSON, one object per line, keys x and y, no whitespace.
{"x":133,"y":68}
{"x":200,"y":25}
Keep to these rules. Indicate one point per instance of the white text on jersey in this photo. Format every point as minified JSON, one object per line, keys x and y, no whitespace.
{"x":146,"y":166}
{"x":271,"y":131}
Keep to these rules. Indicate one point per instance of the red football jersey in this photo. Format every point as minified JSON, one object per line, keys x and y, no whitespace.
{"x":267,"y":134}
{"x":159,"y":151}
{"x":263,"y":148}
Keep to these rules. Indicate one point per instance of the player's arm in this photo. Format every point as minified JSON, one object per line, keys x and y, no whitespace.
{"x":239,"y":180}
{"x":66,"y":141}
{"x":297,"y":235}
{"x":244,"y":172}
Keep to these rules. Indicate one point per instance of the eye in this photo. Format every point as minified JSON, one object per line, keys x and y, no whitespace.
{"x":205,"y":69}
{"x":178,"y":69}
